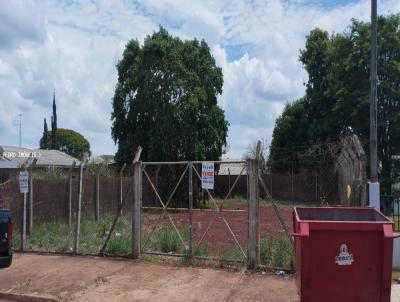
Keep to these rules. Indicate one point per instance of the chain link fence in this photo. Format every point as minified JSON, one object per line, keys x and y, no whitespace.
{"x":212,"y":225}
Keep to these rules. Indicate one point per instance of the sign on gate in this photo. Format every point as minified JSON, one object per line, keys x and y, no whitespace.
{"x":207,"y":176}
{"x":23,"y":181}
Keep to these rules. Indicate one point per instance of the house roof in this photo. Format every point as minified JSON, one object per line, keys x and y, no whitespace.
{"x":105,"y":159}
{"x":234,"y":168}
{"x":7,"y":164}
{"x":45,"y":158}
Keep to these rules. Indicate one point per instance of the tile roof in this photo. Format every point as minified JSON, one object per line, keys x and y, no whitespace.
{"x":45,"y":158}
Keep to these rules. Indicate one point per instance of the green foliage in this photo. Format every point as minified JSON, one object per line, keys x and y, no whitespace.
{"x":283,"y":253}
{"x":198,"y":251}
{"x":44,"y":136}
{"x":68,"y":141}
{"x":93,"y":167}
{"x":337,"y":95}
{"x":59,"y":237}
{"x":235,"y":255}
{"x":289,"y":133}
{"x":51,"y":173}
{"x":278,"y":252}
{"x":266,"y":251}
{"x":52,"y":237}
{"x":166,"y":101}
{"x":54,"y":132}
{"x":167,"y":240}
{"x":120,"y":245}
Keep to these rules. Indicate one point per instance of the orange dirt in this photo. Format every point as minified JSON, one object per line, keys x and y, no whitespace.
{"x":218,"y":237}
{"x":67,"y":278}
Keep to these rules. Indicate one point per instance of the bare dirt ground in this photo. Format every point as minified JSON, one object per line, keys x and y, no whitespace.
{"x":218,"y":237}
{"x":66,"y":278}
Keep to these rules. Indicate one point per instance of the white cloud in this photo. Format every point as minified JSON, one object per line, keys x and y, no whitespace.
{"x":73,"y":47}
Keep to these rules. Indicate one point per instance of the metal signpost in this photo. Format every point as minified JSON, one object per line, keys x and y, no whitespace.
{"x":23,"y":188}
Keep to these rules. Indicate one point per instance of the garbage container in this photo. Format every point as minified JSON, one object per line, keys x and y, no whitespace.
{"x":342,"y":254}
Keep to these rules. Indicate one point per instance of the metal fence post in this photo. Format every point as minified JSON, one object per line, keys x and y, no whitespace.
{"x":253,"y":204}
{"x":190,"y":209}
{"x":78,"y":215}
{"x":30,"y":228}
{"x":137,"y":205}
{"x":136,"y":209}
{"x":23,"y":229}
{"x":71,"y":169}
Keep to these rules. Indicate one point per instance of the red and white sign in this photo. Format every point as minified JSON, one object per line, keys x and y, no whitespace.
{"x":207,"y":176}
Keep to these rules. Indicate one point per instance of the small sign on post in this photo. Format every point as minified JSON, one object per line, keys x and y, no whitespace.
{"x":23,"y":188}
{"x":207,"y":176}
{"x":23,"y":181}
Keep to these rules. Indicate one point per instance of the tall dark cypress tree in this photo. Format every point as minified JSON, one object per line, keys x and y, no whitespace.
{"x":54,"y":124}
{"x":43,"y":141}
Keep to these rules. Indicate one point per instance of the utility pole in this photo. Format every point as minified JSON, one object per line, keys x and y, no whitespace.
{"x":20,"y":130}
{"x":374,"y":198}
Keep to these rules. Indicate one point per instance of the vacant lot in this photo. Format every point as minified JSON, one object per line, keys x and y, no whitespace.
{"x":67,"y":278}
{"x":211,"y":234}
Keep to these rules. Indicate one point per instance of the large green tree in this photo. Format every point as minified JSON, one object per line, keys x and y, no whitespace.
{"x":166,"y":101}
{"x":68,"y":141}
{"x":337,"y":92}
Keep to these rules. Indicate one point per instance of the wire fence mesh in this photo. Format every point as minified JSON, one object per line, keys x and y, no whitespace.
{"x":213,"y":227}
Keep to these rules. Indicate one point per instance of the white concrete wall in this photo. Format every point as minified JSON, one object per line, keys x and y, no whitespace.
{"x":396,"y":253}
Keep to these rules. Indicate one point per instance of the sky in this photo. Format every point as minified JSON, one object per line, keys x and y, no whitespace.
{"x":72,"y":47}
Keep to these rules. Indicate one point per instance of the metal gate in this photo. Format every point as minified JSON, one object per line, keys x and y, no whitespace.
{"x":181,"y":219}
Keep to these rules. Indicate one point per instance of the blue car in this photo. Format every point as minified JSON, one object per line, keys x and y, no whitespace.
{"x":5,"y":238}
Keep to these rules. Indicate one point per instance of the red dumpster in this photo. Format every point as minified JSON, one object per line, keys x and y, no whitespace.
{"x":342,"y":254}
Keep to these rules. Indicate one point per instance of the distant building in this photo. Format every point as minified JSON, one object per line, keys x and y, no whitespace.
{"x":106,"y":159}
{"x":13,"y":158}
{"x":234,"y":168}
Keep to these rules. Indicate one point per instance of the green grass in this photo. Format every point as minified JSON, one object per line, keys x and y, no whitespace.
{"x":53,"y":237}
{"x":165,"y":240}
{"x":198,"y":251}
{"x":278,"y":253}
{"x":56,"y":237}
{"x":232,"y":255}
{"x":49,"y":237}
{"x":120,"y":245}
{"x":282,"y":253}
{"x":266,"y":251}
{"x":397,"y":225}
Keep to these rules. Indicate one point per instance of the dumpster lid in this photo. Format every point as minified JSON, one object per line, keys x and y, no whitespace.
{"x":340,"y":214}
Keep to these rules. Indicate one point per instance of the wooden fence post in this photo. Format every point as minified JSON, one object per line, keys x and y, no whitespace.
{"x":121,"y":174}
{"x":137,"y":205}
{"x":97,"y":193}
{"x":253,"y":203}
{"x":71,"y":169}
{"x":78,"y":215}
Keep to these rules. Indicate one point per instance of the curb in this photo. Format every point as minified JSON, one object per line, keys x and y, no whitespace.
{"x":24,"y":298}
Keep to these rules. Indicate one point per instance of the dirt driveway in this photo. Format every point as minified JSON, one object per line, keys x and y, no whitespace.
{"x":66,"y":278}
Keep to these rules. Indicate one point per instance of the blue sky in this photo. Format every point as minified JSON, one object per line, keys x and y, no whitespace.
{"x":72,"y":47}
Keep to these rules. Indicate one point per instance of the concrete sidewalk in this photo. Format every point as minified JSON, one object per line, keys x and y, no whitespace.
{"x":66,"y":278}
{"x":395,"y":293}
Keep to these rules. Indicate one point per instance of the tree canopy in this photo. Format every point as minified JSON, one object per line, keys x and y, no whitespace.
{"x":68,"y":141}
{"x":337,"y":94}
{"x":166,"y":101}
